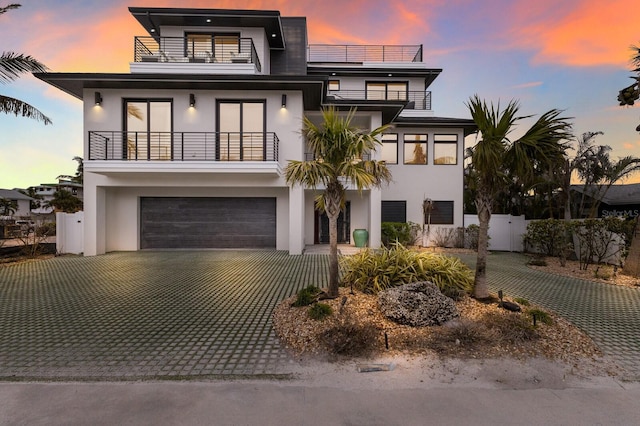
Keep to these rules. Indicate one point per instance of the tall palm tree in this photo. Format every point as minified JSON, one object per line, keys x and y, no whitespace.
{"x":338,"y":148}
{"x":630,"y":94}
{"x":497,"y":161}
{"x":11,"y":66}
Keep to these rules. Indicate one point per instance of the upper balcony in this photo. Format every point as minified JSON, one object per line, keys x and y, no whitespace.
{"x":415,"y":100}
{"x":358,"y":54}
{"x":206,"y":53}
{"x":241,"y":151}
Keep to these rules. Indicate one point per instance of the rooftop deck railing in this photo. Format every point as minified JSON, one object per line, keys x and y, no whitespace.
{"x":213,"y":50}
{"x":330,"y":53}
{"x":183,"y":146}
{"x":420,"y":100}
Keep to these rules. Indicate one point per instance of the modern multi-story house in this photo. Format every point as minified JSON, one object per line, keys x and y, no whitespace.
{"x":188,"y":149}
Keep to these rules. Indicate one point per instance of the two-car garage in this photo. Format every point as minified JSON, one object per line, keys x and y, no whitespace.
{"x":207,"y":222}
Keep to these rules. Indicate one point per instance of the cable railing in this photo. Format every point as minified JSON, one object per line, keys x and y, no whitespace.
{"x":197,"y":49}
{"x":331,"y":53}
{"x":420,"y":100}
{"x":183,"y":146}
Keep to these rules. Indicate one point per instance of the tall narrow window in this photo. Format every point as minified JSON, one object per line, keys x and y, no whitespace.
{"x":241,"y":126}
{"x":390,"y":148}
{"x":445,"y":149}
{"x":415,"y":149}
{"x":226,"y":47}
{"x":199,"y":47}
{"x":148,"y":130}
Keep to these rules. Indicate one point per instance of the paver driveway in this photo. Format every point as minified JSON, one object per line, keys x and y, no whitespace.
{"x":609,"y":314}
{"x":148,"y":314}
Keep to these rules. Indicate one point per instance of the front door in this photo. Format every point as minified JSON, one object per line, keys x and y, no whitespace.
{"x":322,"y":226}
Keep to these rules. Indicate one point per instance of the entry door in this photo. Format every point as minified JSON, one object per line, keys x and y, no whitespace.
{"x":241,"y":126}
{"x":322,"y":226}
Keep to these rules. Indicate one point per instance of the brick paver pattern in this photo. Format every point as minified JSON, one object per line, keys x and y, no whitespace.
{"x":198,"y":314}
{"x":609,"y":314}
{"x":148,"y":314}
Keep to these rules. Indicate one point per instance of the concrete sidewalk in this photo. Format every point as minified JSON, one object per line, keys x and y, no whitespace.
{"x":268,"y":403}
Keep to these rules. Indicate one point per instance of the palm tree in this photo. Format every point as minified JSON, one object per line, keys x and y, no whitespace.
{"x":630,"y":94}
{"x":497,"y":162}
{"x":338,"y":148}
{"x":11,"y":66}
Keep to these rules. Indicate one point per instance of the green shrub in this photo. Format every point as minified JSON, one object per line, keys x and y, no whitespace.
{"x":548,"y":236}
{"x":541,"y":316}
{"x":47,"y":229}
{"x":306,"y":296}
{"x":396,"y":232}
{"x":471,"y":233}
{"x":320,"y":311}
{"x":373,"y":271}
{"x":521,"y":301}
{"x":538,"y":261}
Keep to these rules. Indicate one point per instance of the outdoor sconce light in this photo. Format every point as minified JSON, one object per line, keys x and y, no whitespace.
{"x":192,"y":100}
{"x":98,"y":98}
{"x":284,"y":101}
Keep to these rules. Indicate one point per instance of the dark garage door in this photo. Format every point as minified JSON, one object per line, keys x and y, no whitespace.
{"x":180,"y":222}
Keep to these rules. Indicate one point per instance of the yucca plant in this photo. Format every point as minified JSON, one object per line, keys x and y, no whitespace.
{"x":373,"y":271}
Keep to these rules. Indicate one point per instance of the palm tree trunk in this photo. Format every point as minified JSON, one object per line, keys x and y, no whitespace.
{"x":333,"y":255}
{"x":481,"y":288}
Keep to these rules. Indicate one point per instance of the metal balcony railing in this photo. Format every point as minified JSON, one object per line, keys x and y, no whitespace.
{"x":330,"y":53}
{"x":420,"y":100}
{"x":183,"y":146}
{"x":201,"y":49}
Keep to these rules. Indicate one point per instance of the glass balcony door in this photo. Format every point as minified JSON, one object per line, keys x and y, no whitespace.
{"x":241,"y":127}
{"x":148,"y":126}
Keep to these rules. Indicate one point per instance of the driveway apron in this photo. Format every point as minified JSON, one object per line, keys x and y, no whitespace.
{"x":609,"y":314}
{"x":150,"y":314}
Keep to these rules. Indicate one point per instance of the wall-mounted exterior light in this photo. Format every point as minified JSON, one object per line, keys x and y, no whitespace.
{"x":284,"y":101}
{"x":98,"y":98}
{"x":192,"y":100}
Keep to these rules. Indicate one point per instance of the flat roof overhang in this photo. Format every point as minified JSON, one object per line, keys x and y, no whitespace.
{"x":429,"y":74}
{"x":75,"y":83}
{"x":152,"y":18}
{"x":468,"y":125}
{"x":390,"y":109}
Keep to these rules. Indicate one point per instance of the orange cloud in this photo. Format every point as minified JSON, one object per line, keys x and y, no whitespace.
{"x":583,"y":33}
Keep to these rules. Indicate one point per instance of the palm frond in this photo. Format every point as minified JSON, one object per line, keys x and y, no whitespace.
{"x":13,"y":64}
{"x":9,"y":7}
{"x":10,"y":105}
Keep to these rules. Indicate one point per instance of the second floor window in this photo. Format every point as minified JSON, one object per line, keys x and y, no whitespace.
{"x":415,"y":149}
{"x":241,"y":125}
{"x":148,"y":129}
{"x":379,"y":90}
{"x":445,"y":149}
{"x":390,"y":148}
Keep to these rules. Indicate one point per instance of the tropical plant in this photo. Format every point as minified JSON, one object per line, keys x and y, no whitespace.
{"x":64,"y":201}
{"x":405,"y":233}
{"x":373,"y":271}
{"x":306,"y":296}
{"x":497,"y":161}
{"x":8,"y":207}
{"x":338,"y":148}
{"x":630,"y":94}
{"x":79,"y":176}
{"x":11,"y":66}
{"x":320,"y":311}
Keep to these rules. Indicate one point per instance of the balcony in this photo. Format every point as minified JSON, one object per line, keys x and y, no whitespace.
{"x":183,"y":146}
{"x":357,"y":54}
{"x":418,"y":100}
{"x":196,"y":48}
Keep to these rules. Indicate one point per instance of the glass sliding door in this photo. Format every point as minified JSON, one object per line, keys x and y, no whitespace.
{"x":241,"y":126}
{"x":148,"y":130}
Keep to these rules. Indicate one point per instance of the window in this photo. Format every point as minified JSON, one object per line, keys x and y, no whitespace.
{"x":394,"y":211}
{"x":387,"y":91}
{"x":445,"y":149}
{"x":441,"y":213}
{"x":415,"y":149}
{"x":199,"y":46}
{"x":334,"y":85}
{"x":241,"y":127}
{"x":148,"y":129}
{"x":390,"y":148}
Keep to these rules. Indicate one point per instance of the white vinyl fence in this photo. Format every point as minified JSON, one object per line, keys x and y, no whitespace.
{"x":70,"y":233}
{"x":505,"y":231}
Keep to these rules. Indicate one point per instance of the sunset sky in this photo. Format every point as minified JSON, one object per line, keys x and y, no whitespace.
{"x":571,"y":55}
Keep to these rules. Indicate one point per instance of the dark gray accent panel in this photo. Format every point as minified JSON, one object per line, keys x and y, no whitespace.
{"x":292,"y":60}
{"x":394,"y":211}
{"x":441,"y":214}
{"x":199,"y":222}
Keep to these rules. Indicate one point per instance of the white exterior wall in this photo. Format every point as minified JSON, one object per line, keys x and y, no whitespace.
{"x":413,"y":183}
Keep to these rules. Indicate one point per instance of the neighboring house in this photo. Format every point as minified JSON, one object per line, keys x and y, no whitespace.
{"x":46,"y":191}
{"x":188,"y":150}
{"x":617,"y":200}
{"x":21,"y":201}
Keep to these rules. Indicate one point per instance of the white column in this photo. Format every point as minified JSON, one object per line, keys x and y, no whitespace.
{"x":94,"y":216}
{"x":375,"y":217}
{"x":296,"y":220}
